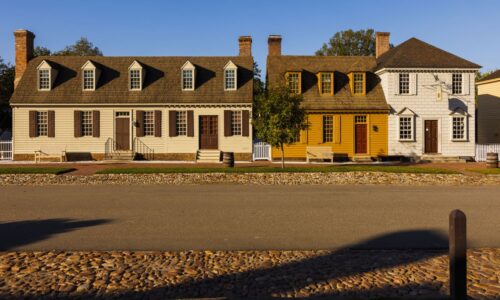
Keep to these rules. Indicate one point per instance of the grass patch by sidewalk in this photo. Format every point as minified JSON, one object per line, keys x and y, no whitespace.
{"x":322,"y":169}
{"x":35,"y":170}
{"x":486,"y":171}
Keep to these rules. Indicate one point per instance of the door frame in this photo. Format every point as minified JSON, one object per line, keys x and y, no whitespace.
{"x":438,"y":134}
{"x":200,"y":131}
{"x":367,"y":123}
{"x":130,"y":123}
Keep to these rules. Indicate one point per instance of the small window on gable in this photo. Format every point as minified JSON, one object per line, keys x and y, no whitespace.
{"x":188,"y":76}
{"x":358,"y":83}
{"x":45,"y":76}
{"x":294,"y":82}
{"x":136,"y":76}
{"x":90,"y":76}
{"x":230,"y":77}
{"x":325,"y":83}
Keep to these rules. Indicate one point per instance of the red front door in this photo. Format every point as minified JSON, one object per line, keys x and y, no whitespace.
{"x":360,"y":139}
{"x":209,"y":132}
{"x":431,"y":136}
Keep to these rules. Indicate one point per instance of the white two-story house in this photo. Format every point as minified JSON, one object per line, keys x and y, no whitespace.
{"x":431,"y":97}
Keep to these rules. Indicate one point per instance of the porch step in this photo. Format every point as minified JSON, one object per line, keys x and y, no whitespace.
{"x":121,"y":155}
{"x":362,"y":159}
{"x":208,"y":156}
{"x":441,"y":159}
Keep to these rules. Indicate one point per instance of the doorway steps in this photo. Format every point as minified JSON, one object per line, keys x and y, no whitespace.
{"x":441,"y":159}
{"x":362,"y":159}
{"x":121,"y":155}
{"x":208,"y":156}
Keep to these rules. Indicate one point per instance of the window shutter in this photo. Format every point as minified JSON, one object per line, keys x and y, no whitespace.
{"x":157,"y":123}
{"x":396,"y":83}
{"x":413,"y":83}
{"x":336,"y":129}
{"x":139,"y":118}
{"x":78,"y":123}
{"x":465,"y":83}
{"x":227,"y":122}
{"x":172,"y":130}
{"x":96,"y":123}
{"x":245,"y":123}
{"x":51,"y":128}
{"x":322,"y":137}
{"x":32,"y":124}
{"x":190,"y":123}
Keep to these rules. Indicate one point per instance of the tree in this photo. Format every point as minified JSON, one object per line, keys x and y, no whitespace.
{"x":258,"y":84}
{"x":41,"y":51}
{"x":278,"y":118}
{"x":82,"y":47}
{"x":7,"y":75}
{"x":350,"y":43}
{"x":480,"y":75}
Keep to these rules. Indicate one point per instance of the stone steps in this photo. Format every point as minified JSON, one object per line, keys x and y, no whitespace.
{"x":121,"y":155}
{"x":208,"y":156}
{"x":441,"y":159}
{"x":362,"y":159}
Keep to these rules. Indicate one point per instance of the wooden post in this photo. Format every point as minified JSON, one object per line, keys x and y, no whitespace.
{"x":458,"y":255}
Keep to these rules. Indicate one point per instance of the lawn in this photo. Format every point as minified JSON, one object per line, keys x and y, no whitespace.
{"x":34,"y":170}
{"x":486,"y":171}
{"x":319,"y":169}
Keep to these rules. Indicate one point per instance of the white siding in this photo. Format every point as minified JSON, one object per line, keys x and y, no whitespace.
{"x":65,"y":140}
{"x":426,"y":107}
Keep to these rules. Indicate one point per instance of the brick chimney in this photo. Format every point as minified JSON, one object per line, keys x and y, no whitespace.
{"x":381,"y":43}
{"x":245,"y":45}
{"x":274,"y":44}
{"x":24,"y":51}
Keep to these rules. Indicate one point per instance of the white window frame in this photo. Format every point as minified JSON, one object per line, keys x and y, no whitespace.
{"x":87,"y":129}
{"x":45,"y":67}
{"x":188,"y":67}
{"x":412,"y":128}
{"x":92,"y":88}
{"x":408,"y":84}
{"x":231,"y":67}
{"x":49,"y":81}
{"x":465,"y":129}
{"x":461,"y":84}
{"x":181,"y":129}
{"x":237,"y":122}
{"x":136,"y":67}
{"x":45,"y":116}
{"x":151,"y":125}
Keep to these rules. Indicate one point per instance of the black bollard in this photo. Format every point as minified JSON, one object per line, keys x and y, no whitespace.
{"x":458,"y":255}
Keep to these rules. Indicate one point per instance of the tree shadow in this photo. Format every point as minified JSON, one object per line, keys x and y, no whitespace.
{"x":19,"y":233}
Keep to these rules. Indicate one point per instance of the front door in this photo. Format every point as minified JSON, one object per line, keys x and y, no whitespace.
{"x":361,"y":139}
{"x":209,"y":132}
{"x":122,"y":133}
{"x":431,"y":136}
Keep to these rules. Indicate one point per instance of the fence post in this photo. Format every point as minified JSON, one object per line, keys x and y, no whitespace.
{"x":458,"y":255}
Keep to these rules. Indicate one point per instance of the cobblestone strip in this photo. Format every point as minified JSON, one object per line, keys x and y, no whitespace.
{"x":158,"y":275}
{"x":254,"y":178}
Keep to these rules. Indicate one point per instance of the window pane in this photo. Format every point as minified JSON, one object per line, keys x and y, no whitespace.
{"x":358,"y":83}
{"x":236,"y":122}
{"x":326,"y":83}
{"x":230,"y":79}
{"x":88,"y":79}
{"x":149,"y":123}
{"x":359,"y":119}
{"x":181,"y":122}
{"x":405,"y":128}
{"x":458,"y":124}
{"x":187,"y":79}
{"x":294,"y":82}
{"x":327,"y":129}
{"x":42,"y":123}
{"x":86,"y":123}
{"x":44,"y":79}
{"x":404,"y":83}
{"x":456,"y":85}
{"x":135,"y":79}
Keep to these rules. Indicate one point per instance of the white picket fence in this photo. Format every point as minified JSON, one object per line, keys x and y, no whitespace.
{"x":482,"y":150}
{"x":5,"y":150}
{"x":261,"y":151}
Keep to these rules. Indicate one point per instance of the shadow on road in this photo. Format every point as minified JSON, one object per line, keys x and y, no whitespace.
{"x":20,"y":233}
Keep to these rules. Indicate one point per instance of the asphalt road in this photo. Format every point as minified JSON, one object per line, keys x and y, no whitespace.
{"x":236,"y":217}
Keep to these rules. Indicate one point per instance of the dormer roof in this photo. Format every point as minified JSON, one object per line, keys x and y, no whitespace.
{"x":187,"y":66}
{"x":230,"y":65}
{"x":459,"y":111}
{"x":406,"y":111}
{"x":44,"y":65}
{"x":89,"y":65}
{"x":135,"y":65}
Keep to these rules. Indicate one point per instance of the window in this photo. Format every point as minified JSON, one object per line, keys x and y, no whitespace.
{"x":456,"y":83}
{"x":187,"y":79}
{"x":326,"y":83}
{"x":294,"y":82}
{"x":86,"y":123}
{"x":135,"y":80}
{"x":359,"y":119}
{"x":405,"y":128}
{"x":236,"y":122}
{"x":44,"y":79}
{"x":404,"y":83}
{"x":122,"y":114}
{"x":149,"y":123}
{"x":458,"y":129}
{"x":42,"y":123}
{"x":327,"y":129}
{"x":181,"y":122}
{"x":358,"y":83}
{"x":230,"y":79}
{"x":88,"y":80}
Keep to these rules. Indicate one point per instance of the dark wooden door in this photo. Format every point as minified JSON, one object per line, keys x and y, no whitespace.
{"x":122,"y":133}
{"x":361,"y":139}
{"x":209,"y":132}
{"x":431,"y":136}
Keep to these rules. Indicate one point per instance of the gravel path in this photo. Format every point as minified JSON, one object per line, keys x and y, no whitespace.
{"x":254,"y":178}
{"x":159,"y":275}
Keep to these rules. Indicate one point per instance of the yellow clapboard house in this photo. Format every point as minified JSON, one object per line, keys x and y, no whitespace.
{"x":345,"y":104}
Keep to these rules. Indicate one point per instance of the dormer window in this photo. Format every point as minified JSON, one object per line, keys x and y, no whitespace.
{"x":45,"y":76}
{"x":90,"y":76}
{"x":294,"y":82}
{"x":358,"y":83}
{"x":188,"y":76}
{"x":230,"y":77}
{"x":325,"y":83}
{"x":136,"y":74}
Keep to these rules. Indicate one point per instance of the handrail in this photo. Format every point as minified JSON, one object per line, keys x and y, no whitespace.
{"x":143,"y":150}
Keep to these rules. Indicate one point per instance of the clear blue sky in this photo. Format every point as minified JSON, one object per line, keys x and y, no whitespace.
{"x":467,"y":28}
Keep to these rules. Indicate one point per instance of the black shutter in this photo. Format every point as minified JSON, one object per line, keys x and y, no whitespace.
{"x":32,"y":125}
{"x":227,"y":123}
{"x":172,"y":130}
{"x":139,"y":118}
{"x":96,"y":123}
{"x":51,"y":120}
{"x":157,"y":123}
{"x":245,"y":123}
{"x":78,"y":123}
{"x":190,"y":123}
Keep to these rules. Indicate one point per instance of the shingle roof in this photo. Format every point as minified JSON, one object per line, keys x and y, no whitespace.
{"x":342,"y":99}
{"x":415,"y":53}
{"x":492,"y":76}
{"x":161,"y":85}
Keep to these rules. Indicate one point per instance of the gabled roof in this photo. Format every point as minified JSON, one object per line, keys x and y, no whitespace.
{"x":415,"y":53}
{"x":494,"y":75}
{"x":406,"y":111}
{"x":342,"y":98}
{"x":88,"y":65}
{"x":162,"y":83}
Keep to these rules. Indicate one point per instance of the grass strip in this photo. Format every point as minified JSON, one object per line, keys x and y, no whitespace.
{"x":486,"y":171}
{"x":35,"y":170}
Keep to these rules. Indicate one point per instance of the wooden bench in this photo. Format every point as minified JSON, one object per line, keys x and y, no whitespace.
{"x":39,"y":154}
{"x":319,"y":152}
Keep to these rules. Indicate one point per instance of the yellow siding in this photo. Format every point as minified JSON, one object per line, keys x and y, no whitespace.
{"x":343,"y":130}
